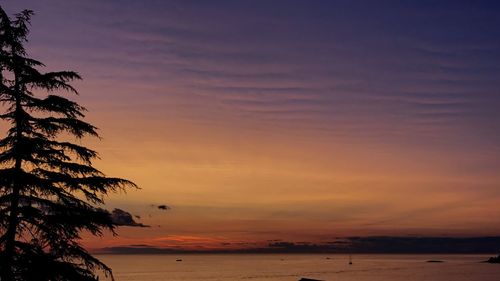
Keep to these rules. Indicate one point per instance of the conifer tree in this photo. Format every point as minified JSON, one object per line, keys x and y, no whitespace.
{"x":49,"y":191}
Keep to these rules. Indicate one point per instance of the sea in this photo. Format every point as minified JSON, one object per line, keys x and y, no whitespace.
{"x":286,"y":267}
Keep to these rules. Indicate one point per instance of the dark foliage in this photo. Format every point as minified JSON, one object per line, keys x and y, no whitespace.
{"x":49,"y":191}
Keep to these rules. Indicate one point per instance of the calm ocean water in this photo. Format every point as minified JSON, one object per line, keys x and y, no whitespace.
{"x":292,"y":267}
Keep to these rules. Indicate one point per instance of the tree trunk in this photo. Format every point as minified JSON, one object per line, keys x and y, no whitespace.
{"x":7,"y":273}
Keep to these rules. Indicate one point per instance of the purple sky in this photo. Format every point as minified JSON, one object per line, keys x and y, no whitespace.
{"x":289,"y":112}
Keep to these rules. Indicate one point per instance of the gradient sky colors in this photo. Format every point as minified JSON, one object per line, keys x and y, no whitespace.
{"x":293,"y":120}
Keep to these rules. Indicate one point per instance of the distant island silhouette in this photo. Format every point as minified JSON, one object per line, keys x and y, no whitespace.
{"x":371,"y":245}
{"x":494,"y":259}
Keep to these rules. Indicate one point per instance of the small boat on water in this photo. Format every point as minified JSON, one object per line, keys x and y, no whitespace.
{"x":178,"y":260}
{"x":350,"y":259}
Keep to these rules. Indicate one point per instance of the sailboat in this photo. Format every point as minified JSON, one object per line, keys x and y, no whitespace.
{"x":350,"y":259}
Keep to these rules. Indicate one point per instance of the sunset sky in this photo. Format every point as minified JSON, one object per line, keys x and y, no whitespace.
{"x":286,"y":120}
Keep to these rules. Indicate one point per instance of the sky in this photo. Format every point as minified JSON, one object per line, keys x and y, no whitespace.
{"x":259,"y":121}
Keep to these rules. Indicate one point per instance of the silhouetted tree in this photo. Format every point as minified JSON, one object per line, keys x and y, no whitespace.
{"x":49,"y":191}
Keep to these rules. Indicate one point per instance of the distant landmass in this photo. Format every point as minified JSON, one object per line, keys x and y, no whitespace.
{"x":373,"y":244}
{"x":494,"y":259}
